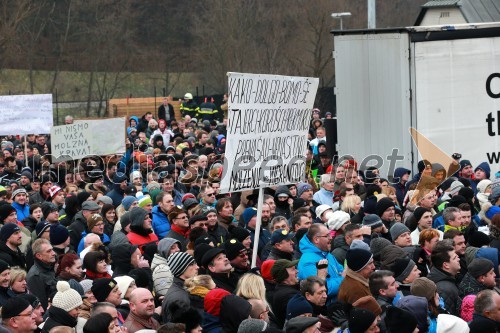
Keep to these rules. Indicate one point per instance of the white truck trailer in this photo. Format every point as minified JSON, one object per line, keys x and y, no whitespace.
{"x":442,"y":80}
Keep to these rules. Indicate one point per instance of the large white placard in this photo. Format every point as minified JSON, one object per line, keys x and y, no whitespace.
{"x":269,"y":118}
{"x":25,"y":114}
{"x":88,"y":137}
{"x":458,"y":97}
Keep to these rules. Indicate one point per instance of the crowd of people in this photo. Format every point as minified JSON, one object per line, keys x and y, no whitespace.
{"x":145,"y":241}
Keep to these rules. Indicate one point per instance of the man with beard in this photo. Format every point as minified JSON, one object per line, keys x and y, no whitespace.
{"x":10,"y":240}
{"x":237,"y":254}
{"x":142,"y":309}
{"x":266,"y":215}
{"x":220,"y":269}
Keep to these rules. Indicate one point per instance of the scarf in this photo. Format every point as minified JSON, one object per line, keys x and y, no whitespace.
{"x":93,"y":276}
{"x":199,"y":291}
{"x":179,"y":230}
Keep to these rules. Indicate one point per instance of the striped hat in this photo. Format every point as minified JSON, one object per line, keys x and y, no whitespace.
{"x":179,"y":262}
{"x":144,"y":201}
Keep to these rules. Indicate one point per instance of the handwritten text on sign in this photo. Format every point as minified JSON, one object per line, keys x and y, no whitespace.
{"x":269,"y":119}
{"x":25,"y":114}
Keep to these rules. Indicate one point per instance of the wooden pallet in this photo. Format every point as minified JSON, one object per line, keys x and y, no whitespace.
{"x":127,"y":107}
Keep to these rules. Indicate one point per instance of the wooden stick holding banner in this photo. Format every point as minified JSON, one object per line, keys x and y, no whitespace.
{"x":25,"y":150}
{"x":257,"y":225}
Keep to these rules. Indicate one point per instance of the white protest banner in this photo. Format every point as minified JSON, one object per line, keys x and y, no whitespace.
{"x":269,"y":118}
{"x":26,"y":114}
{"x":88,"y":137}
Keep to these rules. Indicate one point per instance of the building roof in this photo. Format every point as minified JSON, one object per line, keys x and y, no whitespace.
{"x":474,"y":11}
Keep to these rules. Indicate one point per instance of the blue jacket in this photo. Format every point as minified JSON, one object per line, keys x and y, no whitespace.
{"x":211,"y":323}
{"x":161,"y":224}
{"x":307,"y":266}
{"x":81,"y":246}
{"x":22,"y":211}
{"x":323,"y":197}
{"x":400,"y":189}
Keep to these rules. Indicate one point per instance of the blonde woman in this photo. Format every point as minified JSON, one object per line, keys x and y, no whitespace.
{"x":17,"y":282}
{"x":351,"y":205}
{"x":198,"y":287}
{"x":251,"y":286}
{"x":390,"y":192}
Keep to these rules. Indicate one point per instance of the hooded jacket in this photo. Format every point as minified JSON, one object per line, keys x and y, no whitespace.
{"x":307,"y":266}
{"x":121,"y":258}
{"x":76,"y":229}
{"x":138,"y":235}
{"x":282,"y":207}
{"x":233,"y":310}
{"x":400,"y":188}
{"x":161,"y":224}
{"x":447,"y":289}
{"x":162,"y":276}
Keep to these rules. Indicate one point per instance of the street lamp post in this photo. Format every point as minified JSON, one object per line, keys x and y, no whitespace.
{"x":340,"y":16}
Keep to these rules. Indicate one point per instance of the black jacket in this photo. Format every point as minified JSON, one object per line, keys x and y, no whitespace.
{"x":282,"y":294}
{"x":76,"y":229}
{"x":42,"y":281}
{"x":58,"y":317}
{"x":225,"y":281}
{"x":447,"y":289}
{"x":481,"y":324}
{"x":13,"y":258}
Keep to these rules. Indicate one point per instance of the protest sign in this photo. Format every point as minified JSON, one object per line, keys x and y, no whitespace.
{"x":25,"y":114}
{"x":88,"y":137}
{"x":269,"y":118}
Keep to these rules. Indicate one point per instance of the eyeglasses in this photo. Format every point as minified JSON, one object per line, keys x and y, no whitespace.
{"x":181,"y":218}
{"x":243,"y":255}
{"x":209,"y":194}
{"x":327,"y":236}
{"x":99,"y":225}
{"x":26,"y":314}
{"x":202,"y":224}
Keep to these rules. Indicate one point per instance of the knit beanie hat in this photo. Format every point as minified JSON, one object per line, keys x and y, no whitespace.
{"x":144,"y":201}
{"x":321,"y":209}
{"x":368,"y":303}
{"x":479,"y":267}
{"x":373,"y":221}
{"x":248,"y":214}
{"x":423,"y":287}
{"x":451,"y":324}
{"x":123,"y":282}
{"x":13,"y":307}
{"x":467,"y":308}
{"x":495,"y":191}
{"x":455,"y":187}
{"x":92,"y":220}
{"x":384,"y":204}
{"x":360,"y":320}
{"x":478,"y":238}
{"x":3,"y":265}
{"x":86,"y":285}
{"x":419,"y":212}
{"x":265,"y":269}
{"x":239,"y":233}
{"x":47,"y":208}
{"x":101,"y":288}
{"x":252,"y":325}
{"x":357,"y":259}
{"x":389,"y":254}
{"x":297,"y":306}
{"x":337,"y":220}
{"x":298,"y":203}
{"x":178,"y":262}
{"x":5,"y":210}
{"x":302,"y":187}
{"x":370,"y":205}
{"x":41,"y":227}
{"x":211,"y":304}
{"x":54,"y":190}
{"x":402,"y":267}
{"x":233,"y":248}
{"x":58,"y":234}
{"x":397,"y":230}
{"x":18,"y":191}
{"x":359,"y":244}
{"x":7,"y":230}
{"x":377,"y":244}
{"x":66,"y":298}
{"x":128,"y":201}
{"x":399,"y":320}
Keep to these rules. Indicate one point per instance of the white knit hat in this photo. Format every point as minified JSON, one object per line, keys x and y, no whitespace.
{"x":451,"y":324}
{"x":66,"y":298}
{"x":123,"y":283}
{"x":338,"y":219}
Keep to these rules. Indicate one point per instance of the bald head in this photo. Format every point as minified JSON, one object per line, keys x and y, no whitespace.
{"x":142,"y":303}
{"x":90,"y":239}
{"x":139,"y":294}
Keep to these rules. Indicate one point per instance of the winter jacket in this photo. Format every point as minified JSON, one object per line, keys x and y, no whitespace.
{"x":135,"y":323}
{"x":323,"y":197}
{"x":58,"y":317}
{"x":41,"y":280}
{"x":177,"y":236}
{"x":340,"y":249}
{"x":13,"y":258}
{"x":282,"y":294}
{"x":353,"y":287}
{"x":447,"y":289}
{"x":218,"y":235}
{"x":470,"y":286}
{"x":175,"y":294}
{"x":307,"y":266}
{"x":276,"y":254}
{"x":22,"y":211}
{"x":211,"y":323}
{"x":5,"y":295}
{"x":161,"y":224}
{"x":76,"y":229}
{"x":481,"y":324}
{"x":233,"y":310}
{"x":264,"y":238}
{"x":162,"y":276}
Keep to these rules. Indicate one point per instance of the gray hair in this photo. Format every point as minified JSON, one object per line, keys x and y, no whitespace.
{"x":484,"y":301}
{"x":449,"y":214}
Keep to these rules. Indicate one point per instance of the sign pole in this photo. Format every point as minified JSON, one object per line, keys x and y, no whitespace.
{"x":25,"y":150}
{"x":258,"y":224}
